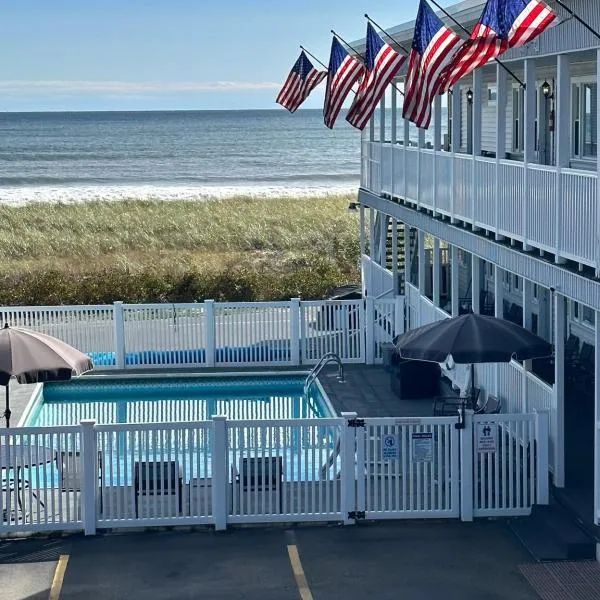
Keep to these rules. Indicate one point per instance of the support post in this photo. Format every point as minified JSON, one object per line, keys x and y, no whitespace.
{"x":395,"y":274}
{"x":476,"y":135}
{"x":119,"y":324}
{"x":475,"y":284}
{"x":436,"y":272}
{"x":210,"y":331}
{"x":370,"y":330}
{"x":559,"y":389}
{"x":456,"y":113}
{"x":372,"y":249}
{"x":466,"y":468}
{"x":219,"y":471}
{"x":421,"y":145}
{"x":89,"y":454}
{"x":541,"y":441}
{"x":527,"y":324}
{"x":455,"y":283}
{"x":499,"y":314}
{"x":394,"y":139}
{"x":399,"y":316}
{"x":437,"y":145}
{"x":405,"y":155}
{"x":528,"y":144}
{"x":421,"y":262}
{"x":501,"y":102}
{"x":361,"y":227}
{"x":348,"y":467}
{"x":295,"y":331}
{"x":381,"y":140}
{"x":562,"y":119}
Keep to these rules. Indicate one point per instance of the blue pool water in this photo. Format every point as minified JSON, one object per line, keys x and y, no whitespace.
{"x":169,"y":399}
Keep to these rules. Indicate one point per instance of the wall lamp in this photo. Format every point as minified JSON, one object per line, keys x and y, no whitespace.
{"x":547,"y":90}
{"x":470,"y":96}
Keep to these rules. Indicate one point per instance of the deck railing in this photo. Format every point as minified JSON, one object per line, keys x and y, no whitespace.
{"x":542,"y":206}
{"x":219,"y":472}
{"x":212,"y":333}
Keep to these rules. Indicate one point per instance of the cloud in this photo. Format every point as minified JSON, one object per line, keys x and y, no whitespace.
{"x":131,"y":87}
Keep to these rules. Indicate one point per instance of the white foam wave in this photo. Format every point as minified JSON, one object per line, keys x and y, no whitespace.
{"x":17,"y":196}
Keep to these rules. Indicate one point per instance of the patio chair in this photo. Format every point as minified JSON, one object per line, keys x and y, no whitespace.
{"x":158,"y":478}
{"x":493,"y":406}
{"x":70,"y":471}
{"x":447,"y":406}
{"x":262,"y":474}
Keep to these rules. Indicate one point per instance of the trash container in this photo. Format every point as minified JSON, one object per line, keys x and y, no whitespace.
{"x":387,"y":351}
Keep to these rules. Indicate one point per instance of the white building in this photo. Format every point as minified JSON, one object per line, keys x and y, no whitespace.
{"x":495,"y":209}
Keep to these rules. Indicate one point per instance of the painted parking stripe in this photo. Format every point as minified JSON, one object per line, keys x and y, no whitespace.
{"x":59,"y":575}
{"x":301,"y":582}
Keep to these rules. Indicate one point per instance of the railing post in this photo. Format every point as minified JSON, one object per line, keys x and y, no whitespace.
{"x":119,"y":324}
{"x":370,"y":330}
{"x":399,"y":324}
{"x":541,"y":444}
{"x":466,"y":468}
{"x":348,"y":467}
{"x":209,"y":328}
{"x":295,"y":330}
{"x":219,"y":472}
{"x":89,"y":454}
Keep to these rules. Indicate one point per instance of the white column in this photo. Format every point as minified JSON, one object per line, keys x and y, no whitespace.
{"x":501,"y":102}
{"x":370,"y":330}
{"x":209,"y":332}
{"x":454,"y":285}
{"x":372,"y":129}
{"x":421,"y":145}
{"x":295,"y":331}
{"x":476,"y":133}
{"x":527,"y":324}
{"x":562,"y":122}
{"x":383,"y":239}
{"x":597,"y":418}
{"x":542,"y":432}
{"x":498,"y":293}
{"x":394,"y":139}
{"x":466,"y":468}
{"x":544,"y":312}
{"x":119,"y":325}
{"x":456,"y":115}
{"x":407,"y":255}
{"x":475,"y":283}
{"x":348,"y":496}
{"x":395,"y":256}
{"x":528,"y":142}
{"x":437,"y":144}
{"x":559,"y":389}
{"x":372,"y":214}
{"x":219,"y":471}
{"x":405,"y":147}
{"x":361,"y":227}
{"x":381,"y":140}
{"x":89,"y":487}
{"x":436,"y":272}
{"x":421,"y":261}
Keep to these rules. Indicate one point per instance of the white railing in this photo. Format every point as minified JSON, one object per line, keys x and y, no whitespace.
{"x":378,"y":281}
{"x":212,"y":333}
{"x":222,"y":472}
{"x":498,"y":196}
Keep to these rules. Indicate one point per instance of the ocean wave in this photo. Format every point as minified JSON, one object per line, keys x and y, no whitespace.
{"x":17,"y":196}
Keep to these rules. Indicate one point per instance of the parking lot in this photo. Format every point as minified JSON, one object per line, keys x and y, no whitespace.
{"x":408,"y":560}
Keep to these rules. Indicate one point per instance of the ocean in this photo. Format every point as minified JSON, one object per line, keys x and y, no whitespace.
{"x":83,"y":156}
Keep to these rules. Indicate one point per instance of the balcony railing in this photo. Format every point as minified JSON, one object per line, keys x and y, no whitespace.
{"x":544,"y":207}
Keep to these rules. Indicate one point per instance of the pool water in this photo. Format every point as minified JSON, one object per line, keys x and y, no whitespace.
{"x":167,"y":399}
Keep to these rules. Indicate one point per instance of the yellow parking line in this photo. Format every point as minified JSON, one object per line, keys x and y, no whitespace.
{"x":301,"y":582}
{"x":59,"y":575}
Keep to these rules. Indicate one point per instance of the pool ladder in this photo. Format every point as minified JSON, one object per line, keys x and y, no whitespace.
{"x":325,"y":360}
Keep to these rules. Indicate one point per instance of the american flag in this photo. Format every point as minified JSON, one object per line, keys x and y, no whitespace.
{"x":301,"y":81}
{"x":382,"y":63}
{"x":433,"y":47}
{"x":344,"y":72}
{"x":504,"y":24}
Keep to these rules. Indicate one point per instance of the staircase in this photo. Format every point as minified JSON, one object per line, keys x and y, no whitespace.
{"x":553,"y":533}
{"x":389,"y":254}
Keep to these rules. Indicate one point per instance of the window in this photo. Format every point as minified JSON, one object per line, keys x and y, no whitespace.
{"x":583,"y":314}
{"x":584,"y":99}
{"x":518,"y":110}
{"x":491,"y":95}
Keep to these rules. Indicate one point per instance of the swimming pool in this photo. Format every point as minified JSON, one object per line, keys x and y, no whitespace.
{"x":177,"y":398}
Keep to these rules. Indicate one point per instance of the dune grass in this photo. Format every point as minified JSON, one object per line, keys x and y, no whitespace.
{"x":152,"y":251}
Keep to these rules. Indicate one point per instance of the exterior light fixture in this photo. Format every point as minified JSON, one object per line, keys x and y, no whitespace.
{"x":547,"y":90}
{"x":470,"y":96}
{"x":353,"y":207}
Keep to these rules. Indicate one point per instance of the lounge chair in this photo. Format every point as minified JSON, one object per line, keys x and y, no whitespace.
{"x":158,"y":478}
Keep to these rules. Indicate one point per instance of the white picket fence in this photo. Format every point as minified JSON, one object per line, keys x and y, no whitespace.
{"x":223,"y":472}
{"x":219,"y":333}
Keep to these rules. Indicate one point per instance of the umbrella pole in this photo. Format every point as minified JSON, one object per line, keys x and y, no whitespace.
{"x":7,"y":408}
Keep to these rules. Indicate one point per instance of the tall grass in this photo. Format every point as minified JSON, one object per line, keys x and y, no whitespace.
{"x":137,"y":251}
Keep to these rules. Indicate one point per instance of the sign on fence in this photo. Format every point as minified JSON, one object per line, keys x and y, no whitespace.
{"x":390,"y":449}
{"x":422,"y":447}
{"x":486,"y":437}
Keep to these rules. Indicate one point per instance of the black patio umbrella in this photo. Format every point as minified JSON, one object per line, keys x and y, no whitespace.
{"x":33,"y":357}
{"x":471,"y":339}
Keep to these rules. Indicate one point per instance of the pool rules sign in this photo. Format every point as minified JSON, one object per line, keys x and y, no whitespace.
{"x":486,"y":437}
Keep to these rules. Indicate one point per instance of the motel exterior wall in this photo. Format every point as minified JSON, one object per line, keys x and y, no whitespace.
{"x":521,"y":203}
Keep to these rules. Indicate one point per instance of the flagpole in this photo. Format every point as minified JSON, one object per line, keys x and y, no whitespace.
{"x":387,"y":35}
{"x":578,"y":18}
{"x":313,"y":56}
{"x":469,"y":33}
{"x":360,"y":56}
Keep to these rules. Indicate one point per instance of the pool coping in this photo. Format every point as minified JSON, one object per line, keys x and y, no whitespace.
{"x":36,"y":396}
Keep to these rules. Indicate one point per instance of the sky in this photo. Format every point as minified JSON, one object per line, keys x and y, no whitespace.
{"x":61,"y":55}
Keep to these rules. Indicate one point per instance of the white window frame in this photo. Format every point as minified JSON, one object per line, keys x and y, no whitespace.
{"x":577,"y":153}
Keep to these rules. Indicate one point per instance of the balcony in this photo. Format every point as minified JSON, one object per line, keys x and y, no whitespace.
{"x":542,"y":207}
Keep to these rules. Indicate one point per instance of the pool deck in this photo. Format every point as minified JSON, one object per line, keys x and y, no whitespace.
{"x":366,"y":390}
